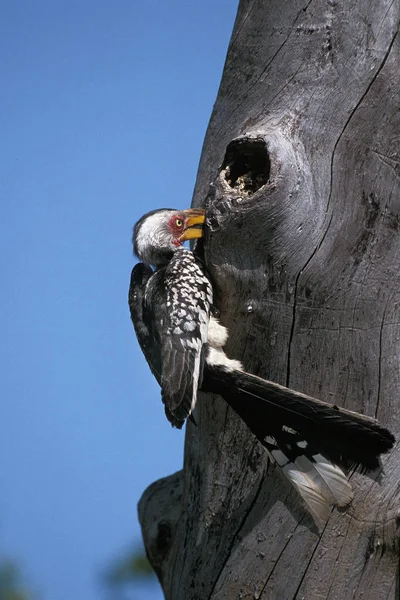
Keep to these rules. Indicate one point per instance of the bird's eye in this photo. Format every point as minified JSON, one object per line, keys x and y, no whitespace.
{"x":179,"y":223}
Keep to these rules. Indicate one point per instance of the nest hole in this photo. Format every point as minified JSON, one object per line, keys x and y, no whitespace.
{"x":247,"y":166}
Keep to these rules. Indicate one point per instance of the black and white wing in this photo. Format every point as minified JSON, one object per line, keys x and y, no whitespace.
{"x":188,"y":296}
{"x":171,"y":327}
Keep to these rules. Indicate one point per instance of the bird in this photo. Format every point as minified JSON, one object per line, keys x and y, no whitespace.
{"x":179,"y":331}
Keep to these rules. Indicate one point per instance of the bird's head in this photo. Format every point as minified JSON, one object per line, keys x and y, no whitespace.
{"x":160,"y":232}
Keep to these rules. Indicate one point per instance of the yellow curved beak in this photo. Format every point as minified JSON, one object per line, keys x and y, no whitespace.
{"x":194,"y":221}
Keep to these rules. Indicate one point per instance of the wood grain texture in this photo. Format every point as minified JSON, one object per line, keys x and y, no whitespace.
{"x":307,"y":278}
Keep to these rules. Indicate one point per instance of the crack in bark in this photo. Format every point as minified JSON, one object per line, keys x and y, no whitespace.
{"x":378,"y":399}
{"x":350,"y":117}
{"x":313,"y":554}
{"x":184,"y":545}
{"x":318,"y":246}
{"x":304,"y":9}
{"x":375,"y":235}
{"x":234,"y":537}
{"x":291,"y":336}
{"x":396,"y":583}
{"x":288,"y":82}
{"x":384,"y":16}
{"x":381,"y":329}
{"x":388,"y":160}
{"x":279,"y":557}
{"x":250,"y":10}
{"x":338,"y":554}
{"x":309,"y":562}
{"x":246,"y":92}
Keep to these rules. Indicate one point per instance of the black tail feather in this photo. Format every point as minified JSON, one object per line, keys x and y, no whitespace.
{"x":344,"y":437}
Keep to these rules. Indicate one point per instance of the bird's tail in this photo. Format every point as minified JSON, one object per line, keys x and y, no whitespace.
{"x":306,"y":437}
{"x":319,"y":482}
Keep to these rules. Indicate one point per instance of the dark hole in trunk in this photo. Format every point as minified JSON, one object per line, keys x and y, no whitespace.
{"x":246,"y":167}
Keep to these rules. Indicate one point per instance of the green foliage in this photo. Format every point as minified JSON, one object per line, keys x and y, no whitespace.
{"x":129,"y":568}
{"x":10,"y":583}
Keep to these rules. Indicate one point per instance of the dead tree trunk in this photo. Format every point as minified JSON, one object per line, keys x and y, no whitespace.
{"x":300,"y":175}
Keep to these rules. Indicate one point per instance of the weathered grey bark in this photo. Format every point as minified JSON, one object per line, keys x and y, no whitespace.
{"x":307,"y":274}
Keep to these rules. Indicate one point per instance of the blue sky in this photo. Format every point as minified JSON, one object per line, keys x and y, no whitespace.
{"x":104,"y":107}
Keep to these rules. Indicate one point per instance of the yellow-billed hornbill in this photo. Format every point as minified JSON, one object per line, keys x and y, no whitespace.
{"x":173,"y":315}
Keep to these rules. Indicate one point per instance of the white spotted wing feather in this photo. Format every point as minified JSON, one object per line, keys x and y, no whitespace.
{"x":319,"y":482}
{"x":188,"y":298}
